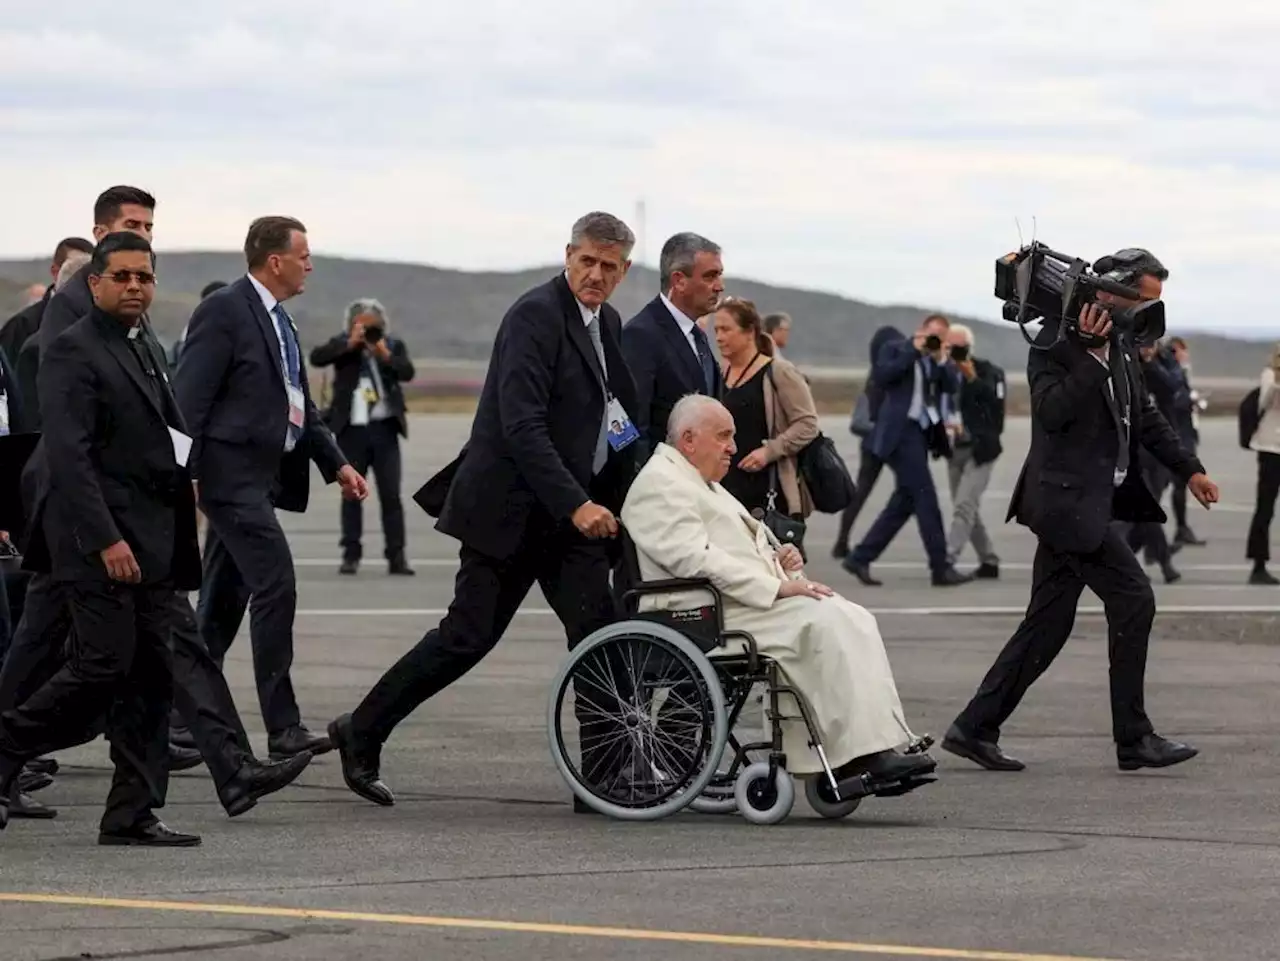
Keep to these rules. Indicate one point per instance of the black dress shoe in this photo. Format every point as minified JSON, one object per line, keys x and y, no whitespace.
{"x":1171,"y":574}
{"x":43,"y":765}
{"x":349,"y":567}
{"x":29,"y":782}
{"x":1261,"y":577}
{"x":183,"y":738}
{"x":25,"y":806}
{"x":862,"y":572}
{"x":183,"y":758}
{"x":581,"y":807}
{"x":296,"y":740}
{"x":1187,"y":536}
{"x":360,"y":763}
{"x":950,"y":577}
{"x":876,"y":772}
{"x":987,"y":572}
{"x":1153,"y":751}
{"x":400,"y":568}
{"x":155,"y":835}
{"x":840,"y":551}
{"x":986,"y":754}
{"x":255,"y":780}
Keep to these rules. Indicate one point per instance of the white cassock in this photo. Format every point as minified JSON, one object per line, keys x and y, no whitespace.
{"x":829,"y":649}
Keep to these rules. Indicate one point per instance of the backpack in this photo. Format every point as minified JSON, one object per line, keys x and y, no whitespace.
{"x":1249,"y":418}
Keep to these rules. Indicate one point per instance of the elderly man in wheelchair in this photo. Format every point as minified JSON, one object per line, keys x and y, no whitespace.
{"x":720,"y":609}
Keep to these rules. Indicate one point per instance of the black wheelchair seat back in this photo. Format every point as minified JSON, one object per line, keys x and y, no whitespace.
{"x":703,"y":625}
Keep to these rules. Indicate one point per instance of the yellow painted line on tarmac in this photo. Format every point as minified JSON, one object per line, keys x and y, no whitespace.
{"x":529,"y":927}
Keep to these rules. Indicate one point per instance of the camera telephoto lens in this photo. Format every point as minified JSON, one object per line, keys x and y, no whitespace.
{"x":932,"y":342}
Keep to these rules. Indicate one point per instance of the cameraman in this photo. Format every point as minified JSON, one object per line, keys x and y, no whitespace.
{"x":367,"y":415}
{"x":1091,"y":414}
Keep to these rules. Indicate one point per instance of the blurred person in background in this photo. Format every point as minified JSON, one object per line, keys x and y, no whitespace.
{"x":1176,"y":359}
{"x":1266,"y":441}
{"x":916,"y":377}
{"x":1167,"y":389}
{"x":778,"y":327}
{"x":773,"y":411}
{"x":976,"y":447}
{"x":368,"y":417}
{"x":26,"y":322}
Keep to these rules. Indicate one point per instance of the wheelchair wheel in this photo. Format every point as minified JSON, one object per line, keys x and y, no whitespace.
{"x":635,"y":718}
{"x":763,"y":799}
{"x":818,"y":793}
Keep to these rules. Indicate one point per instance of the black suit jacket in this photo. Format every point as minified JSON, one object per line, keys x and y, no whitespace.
{"x":64,"y":308}
{"x":111,"y":469}
{"x":528,"y":461}
{"x":18,"y":328}
{"x":12,"y":391}
{"x":348,"y":367}
{"x":664,"y":368}
{"x":1066,"y":492}
{"x":982,"y":410}
{"x":231,"y":389}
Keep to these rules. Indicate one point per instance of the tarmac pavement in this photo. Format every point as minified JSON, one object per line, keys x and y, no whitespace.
{"x":482,"y":857}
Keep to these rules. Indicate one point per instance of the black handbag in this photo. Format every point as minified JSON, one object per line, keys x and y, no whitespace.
{"x":787,"y":529}
{"x":822,"y":470}
{"x":863,"y":421}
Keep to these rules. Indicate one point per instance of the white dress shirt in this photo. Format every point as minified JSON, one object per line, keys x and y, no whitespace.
{"x":686,"y":326}
{"x":270,"y":303}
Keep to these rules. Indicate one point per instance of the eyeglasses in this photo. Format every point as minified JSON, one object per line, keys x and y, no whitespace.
{"x":145,"y":277}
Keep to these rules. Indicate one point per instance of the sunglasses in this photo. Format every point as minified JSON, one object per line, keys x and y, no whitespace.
{"x":145,"y":277}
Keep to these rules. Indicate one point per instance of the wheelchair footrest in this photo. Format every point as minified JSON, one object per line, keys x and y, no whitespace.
{"x":899,"y":788}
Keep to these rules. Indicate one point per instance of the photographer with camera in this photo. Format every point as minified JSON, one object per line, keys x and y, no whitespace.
{"x":1091,"y":415}
{"x":367,"y":415}
{"x":918,"y":382}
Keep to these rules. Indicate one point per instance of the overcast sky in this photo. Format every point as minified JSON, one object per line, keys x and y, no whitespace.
{"x":827,"y":144}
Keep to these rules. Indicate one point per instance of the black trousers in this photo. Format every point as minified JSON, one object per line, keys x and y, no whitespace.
{"x":247,"y":564}
{"x":118,"y":661}
{"x":1058,"y":578}
{"x":1149,"y":536}
{"x":203,"y":700}
{"x":376,"y":446}
{"x":1264,"y":508}
{"x":869,"y":468}
{"x":39,"y":645}
{"x":914,"y":494}
{"x":574,"y":575}
{"x":6,"y":619}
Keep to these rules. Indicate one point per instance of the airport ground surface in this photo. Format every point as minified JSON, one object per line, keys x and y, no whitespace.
{"x":482,"y":857}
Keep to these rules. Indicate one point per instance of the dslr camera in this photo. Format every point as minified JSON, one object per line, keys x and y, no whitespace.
{"x":373,"y":334}
{"x":1038,"y":283}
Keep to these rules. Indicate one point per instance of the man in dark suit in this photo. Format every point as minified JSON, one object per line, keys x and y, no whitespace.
{"x":368,"y":417}
{"x":534,"y":494}
{"x":1090,"y":417}
{"x":665,"y":348}
{"x":916,"y":381}
{"x":242,"y":386}
{"x":115,"y":522}
{"x":18,"y":328}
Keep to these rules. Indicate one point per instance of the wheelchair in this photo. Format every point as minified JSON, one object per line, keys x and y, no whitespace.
{"x":642,"y":717}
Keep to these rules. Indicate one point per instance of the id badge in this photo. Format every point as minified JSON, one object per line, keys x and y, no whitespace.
{"x":297,"y":409}
{"x":621,"y":431}
{"x":369,"y":392}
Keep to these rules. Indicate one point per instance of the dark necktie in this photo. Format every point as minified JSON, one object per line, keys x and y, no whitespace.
{"x":705,"y":361}
{"x":293,"y":375}
{"x":602,"y":439}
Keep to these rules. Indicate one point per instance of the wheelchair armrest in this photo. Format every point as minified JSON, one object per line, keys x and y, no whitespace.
{"x":672,"y":585}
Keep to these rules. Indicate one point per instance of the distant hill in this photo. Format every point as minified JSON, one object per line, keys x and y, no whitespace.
{"x":452,"y":314}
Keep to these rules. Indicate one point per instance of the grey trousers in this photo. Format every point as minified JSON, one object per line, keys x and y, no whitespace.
{"x":968,"y":483}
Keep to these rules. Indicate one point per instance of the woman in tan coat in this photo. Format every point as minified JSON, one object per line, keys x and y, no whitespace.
{"x":772,"y":409}
{"x":1266,"y":441}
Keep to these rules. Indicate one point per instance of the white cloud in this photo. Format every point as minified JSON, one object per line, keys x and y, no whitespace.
{"x":853,"y":147}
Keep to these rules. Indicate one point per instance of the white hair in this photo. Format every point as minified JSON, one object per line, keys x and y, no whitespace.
{"x":689,"y":413}
{"x":367,"y":305}
{"x":964,"y":331}
{"x":75,"y":260}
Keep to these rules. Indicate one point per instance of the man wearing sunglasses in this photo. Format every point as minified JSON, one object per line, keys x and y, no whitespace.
{"x":1091,"y":418}
{"x":116,"y":531}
